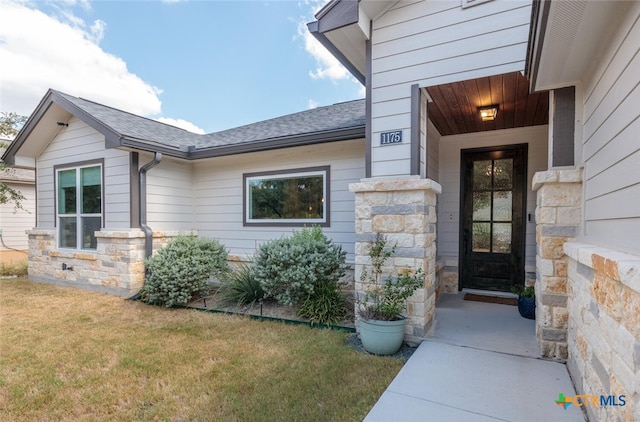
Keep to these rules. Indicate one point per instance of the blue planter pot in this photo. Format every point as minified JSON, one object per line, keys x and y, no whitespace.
{"x":382,"y":337}
{"x":527,"y":307}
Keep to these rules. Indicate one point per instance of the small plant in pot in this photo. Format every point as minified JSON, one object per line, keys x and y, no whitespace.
{"x":526,"y":300}
{"x":380,"y":308}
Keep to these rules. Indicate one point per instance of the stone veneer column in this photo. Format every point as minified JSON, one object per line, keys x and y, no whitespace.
{"x":116,"y":266}
{"x":604,"y":328}
{"x":558,"y":218}
{"x":404,"y":210}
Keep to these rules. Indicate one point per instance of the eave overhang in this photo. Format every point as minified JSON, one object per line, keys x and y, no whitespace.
{"x":566,"y":38}
{"x":343,"y":27}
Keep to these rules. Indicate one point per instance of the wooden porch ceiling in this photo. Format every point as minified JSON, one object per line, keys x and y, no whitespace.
{"x":454,"y":109}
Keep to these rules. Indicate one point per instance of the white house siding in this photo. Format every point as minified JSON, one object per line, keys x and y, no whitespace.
{"x":77,"y":143}
{"x":169,"y":194}
{"x":610,"y":150}
{"x":14,"y":224}
{"x":431,"y":43}
{"x":218,"y":192}
{"x":449,"y":201}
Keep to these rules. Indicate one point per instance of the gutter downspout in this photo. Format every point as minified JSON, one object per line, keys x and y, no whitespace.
{"x":148,"y":233}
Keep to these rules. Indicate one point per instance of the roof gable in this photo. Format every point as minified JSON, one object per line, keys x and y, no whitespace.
{"x":122,"y":129}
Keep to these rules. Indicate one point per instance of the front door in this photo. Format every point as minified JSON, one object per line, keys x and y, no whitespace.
{"x":492,"y":204}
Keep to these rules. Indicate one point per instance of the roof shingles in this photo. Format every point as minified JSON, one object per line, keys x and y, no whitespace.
{"x":336,"y":117}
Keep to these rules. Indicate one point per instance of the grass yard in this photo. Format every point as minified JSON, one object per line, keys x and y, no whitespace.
{"x":69,"y":354}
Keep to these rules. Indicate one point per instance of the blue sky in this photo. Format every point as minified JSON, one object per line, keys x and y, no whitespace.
{"x":202,"y":65}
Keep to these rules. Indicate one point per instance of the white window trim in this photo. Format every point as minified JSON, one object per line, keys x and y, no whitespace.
{"x":279,"y":174}
{"x":470,"y":3}
{"x":78,"y":214}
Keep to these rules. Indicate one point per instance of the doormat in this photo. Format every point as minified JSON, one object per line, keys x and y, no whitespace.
{"x":491,"y":299}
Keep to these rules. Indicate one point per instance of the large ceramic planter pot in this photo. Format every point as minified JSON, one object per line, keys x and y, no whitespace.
{"x":527,"y":307}
{"x":382,"y":337}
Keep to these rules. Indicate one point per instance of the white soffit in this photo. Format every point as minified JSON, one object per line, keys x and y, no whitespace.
{"x":575,"y":33}
{"x":46,"y":129}
{"x":351,"y":42}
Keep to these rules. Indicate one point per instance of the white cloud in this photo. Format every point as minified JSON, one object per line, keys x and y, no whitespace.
{"x":38,"y":52}
{"x":182,"y":124}
{"x":328,"y":67}
{"x":97,"y":30}
{"x":313,"y":104}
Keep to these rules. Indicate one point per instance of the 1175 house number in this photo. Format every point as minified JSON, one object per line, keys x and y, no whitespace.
{"x":388,"y":138}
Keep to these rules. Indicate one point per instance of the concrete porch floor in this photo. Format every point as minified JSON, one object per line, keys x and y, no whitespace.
{"x":480,"y":363}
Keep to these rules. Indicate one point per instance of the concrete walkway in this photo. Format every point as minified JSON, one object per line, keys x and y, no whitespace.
{"x":481,"y":363}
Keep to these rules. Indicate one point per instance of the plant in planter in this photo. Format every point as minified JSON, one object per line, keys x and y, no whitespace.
{"x":526,"y":300}
{"x":381,"y":307}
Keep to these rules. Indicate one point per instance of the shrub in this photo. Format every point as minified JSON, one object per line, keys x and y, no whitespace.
{"x":290,"y":268}
{"x":326,"y":305}
{"x":385,"y":296}
{"x":19,"y":269}
{"x":240,"y":286}
{"x":179,"y":271}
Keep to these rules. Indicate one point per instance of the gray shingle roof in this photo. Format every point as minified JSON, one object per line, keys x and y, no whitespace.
{"x":321,"y":119}
{"x":337,"y":122}
{"x":341,"y":116}
{"x":134,"y":126}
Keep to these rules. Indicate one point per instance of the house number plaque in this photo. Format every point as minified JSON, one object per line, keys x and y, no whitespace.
{"x":393,"y":137}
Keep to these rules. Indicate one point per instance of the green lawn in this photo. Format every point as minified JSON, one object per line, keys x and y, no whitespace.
{"x":69,"y":354}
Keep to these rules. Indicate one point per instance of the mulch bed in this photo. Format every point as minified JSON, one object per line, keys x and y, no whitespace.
{"x":268,"y":308}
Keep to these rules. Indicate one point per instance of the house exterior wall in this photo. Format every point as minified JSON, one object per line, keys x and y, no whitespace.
{"x":170,"y":201}
{"x":610,"y":147}
{"x":218,"y":191}
{"x":604,"y":327}
{"x":603,"y":262}
{"x":14,"y":224}
{"x":449,"y":199}
{"x":448,"y":38}
{"x":77,"y":143}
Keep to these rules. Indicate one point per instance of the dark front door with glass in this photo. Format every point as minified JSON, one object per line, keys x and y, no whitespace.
{"x":492,"y":206}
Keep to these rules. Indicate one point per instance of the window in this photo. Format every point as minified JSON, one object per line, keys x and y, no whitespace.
{"x":79,"y":206}
{"x":469,"y":3}
{"x":292,"y":198}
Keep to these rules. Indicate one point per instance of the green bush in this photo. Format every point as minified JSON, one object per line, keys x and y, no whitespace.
{"x":326,"y":305}
{"x":290,"y":268}
{"x":240,"y":286}
{"x":179,"y":271}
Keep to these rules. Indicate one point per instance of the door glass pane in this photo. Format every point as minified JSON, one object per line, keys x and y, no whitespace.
{"x":503,"y":173}
{"x":502,"y":204}
{"x":67,"y":192}
{"x":90,"y":225}
{"x":91,"y":190}
{"x":68,"y":231}
{"x":481,"y":237}
{"x":482,"y":206}
{"x":501,"y":238}
{"x":482,"y":175}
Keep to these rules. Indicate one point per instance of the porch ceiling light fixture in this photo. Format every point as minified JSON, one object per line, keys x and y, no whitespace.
{"x":488,"y":114}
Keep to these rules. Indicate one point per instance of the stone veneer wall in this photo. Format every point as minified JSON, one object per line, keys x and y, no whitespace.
{"x":558,"y":219}
{"x":604,"y":328}
{"x":404,"y":210}
{"x":116,"y":266}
